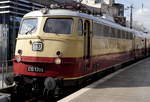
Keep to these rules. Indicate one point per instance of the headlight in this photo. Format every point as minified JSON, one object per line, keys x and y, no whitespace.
{"x":37,"y":46}
{"x":18,"y":58}
{"x":57,"y":61}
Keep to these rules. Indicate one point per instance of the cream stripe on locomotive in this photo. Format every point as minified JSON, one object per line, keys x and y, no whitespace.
{"x":68,"y":47}
{"x":74,"y":47}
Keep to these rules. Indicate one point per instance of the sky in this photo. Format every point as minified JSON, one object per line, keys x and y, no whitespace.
{"x":141,"y":15}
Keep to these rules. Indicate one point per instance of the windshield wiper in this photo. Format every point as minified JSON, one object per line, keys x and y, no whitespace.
{"x":30,"y":30}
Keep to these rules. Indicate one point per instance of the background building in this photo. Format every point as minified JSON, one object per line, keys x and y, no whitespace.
{"x":11,"y":12}
{"x":108,"y":8}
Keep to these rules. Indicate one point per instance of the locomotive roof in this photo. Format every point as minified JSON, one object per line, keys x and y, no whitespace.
{"x":64,"y":12}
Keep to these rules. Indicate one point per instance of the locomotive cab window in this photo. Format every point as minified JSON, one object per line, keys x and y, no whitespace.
{"x":58,"y":25}
{"x":28,"y":26}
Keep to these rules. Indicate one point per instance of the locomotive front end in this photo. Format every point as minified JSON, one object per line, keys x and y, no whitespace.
{"x":46,"y":52}
{"x":45,"y":45}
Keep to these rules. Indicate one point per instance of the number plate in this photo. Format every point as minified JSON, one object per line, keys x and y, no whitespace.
{"x":37,"y":46}
{"x":35,"y":69}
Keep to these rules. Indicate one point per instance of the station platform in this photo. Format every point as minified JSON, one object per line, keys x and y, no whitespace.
{"x":131,"y":84}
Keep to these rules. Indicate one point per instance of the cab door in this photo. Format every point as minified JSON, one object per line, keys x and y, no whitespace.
{"x":87,"y":46}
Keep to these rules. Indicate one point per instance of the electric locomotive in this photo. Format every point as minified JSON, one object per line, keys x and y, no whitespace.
{"x":59,"y":47}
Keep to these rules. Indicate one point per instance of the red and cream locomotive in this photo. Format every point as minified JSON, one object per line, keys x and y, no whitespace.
{"x":59,"y":47}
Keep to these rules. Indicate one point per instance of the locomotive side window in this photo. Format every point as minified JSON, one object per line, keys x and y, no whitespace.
{"x":96,"y":29}
{"x":109,"y":31}
{"x":127,"y":35}
{"x":118,"y":33}
{"x":102,"y":30}
{"x":80,"y":27}
{"x":58,"y":25}
{"x":113,"y":32}
{"x":104,"y":27}
{"x":123,"y":35}
{"x":106,"y":31}
{"x":131,"y":36}
{"x":28,"y":26}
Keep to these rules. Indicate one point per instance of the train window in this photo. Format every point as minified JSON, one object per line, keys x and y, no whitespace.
{"x":123,"y":34}
{"x":102,"y":30}
{"x":104,"y":27}
{"x":109,"y":32}
{"x":118,"y":33}
{"x":127,"y":35}
{"x":106,"y":31}
{"x":28,"y":26}
{"x":112,"y":32}
{"x":80,"y":27}
{"x":131,"y":36}
{"x":115,"y":33}
{"x":58,"y":25}
{"x":97,"y":29}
